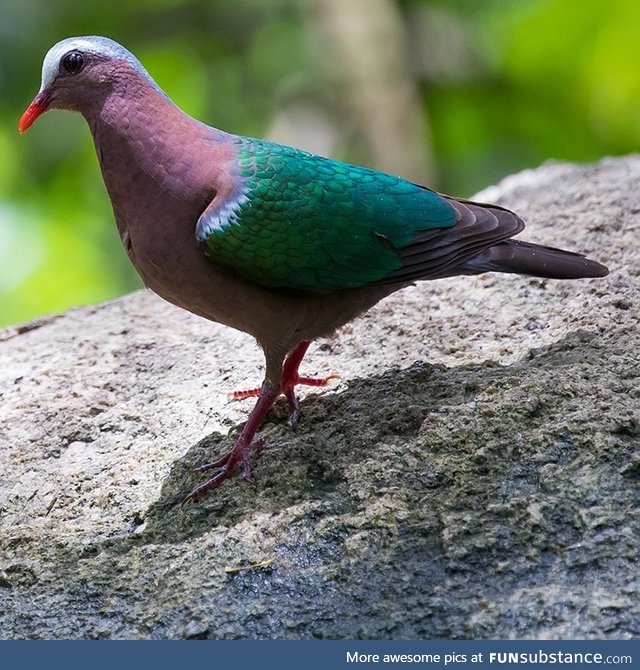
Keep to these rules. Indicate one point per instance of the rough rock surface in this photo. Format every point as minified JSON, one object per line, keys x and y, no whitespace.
{"x":476,"y":473}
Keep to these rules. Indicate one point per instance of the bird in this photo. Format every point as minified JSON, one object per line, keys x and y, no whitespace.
{"x":271,"y":240}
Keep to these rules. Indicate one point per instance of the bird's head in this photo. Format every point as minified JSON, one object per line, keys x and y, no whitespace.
{"x":76,"y":70}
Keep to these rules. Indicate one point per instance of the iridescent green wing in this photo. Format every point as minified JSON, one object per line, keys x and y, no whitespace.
{"x":301,"y":222}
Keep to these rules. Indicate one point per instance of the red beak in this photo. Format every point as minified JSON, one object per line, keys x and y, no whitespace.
{"x":39,"y":106}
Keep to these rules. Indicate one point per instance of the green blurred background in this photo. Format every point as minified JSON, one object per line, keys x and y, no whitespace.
{"x":454,"y":93}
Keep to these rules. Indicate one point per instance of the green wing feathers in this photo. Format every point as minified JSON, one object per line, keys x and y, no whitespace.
{"x":308,"y":223}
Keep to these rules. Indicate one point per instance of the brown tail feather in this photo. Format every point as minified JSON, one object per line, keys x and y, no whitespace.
{"x":535,"y":260}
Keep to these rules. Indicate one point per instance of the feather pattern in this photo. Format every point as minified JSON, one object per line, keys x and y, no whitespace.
{"x":316,"y":225}
{"x":440,"y":253}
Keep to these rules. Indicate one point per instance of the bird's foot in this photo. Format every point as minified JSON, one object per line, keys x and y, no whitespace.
{"x":239,"y":456}
{"x":226,"y":467}
{"x":305,"y":381}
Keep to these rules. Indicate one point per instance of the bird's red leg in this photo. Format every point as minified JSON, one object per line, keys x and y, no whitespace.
{"x":290,"y":379}
{"x":291,"y":364}
{"x":239,"y":455}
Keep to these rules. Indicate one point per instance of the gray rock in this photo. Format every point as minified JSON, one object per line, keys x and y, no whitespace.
{"x":475,"y":474}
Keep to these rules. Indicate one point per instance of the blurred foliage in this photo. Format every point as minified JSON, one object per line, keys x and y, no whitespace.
{"x":503,"y":85}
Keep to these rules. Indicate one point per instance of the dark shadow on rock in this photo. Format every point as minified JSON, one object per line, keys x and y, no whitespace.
{"x":479,"y":501}
{"x":369,"y":421}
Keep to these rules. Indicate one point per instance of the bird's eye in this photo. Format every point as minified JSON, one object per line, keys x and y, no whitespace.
{"x":73,"y":62}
